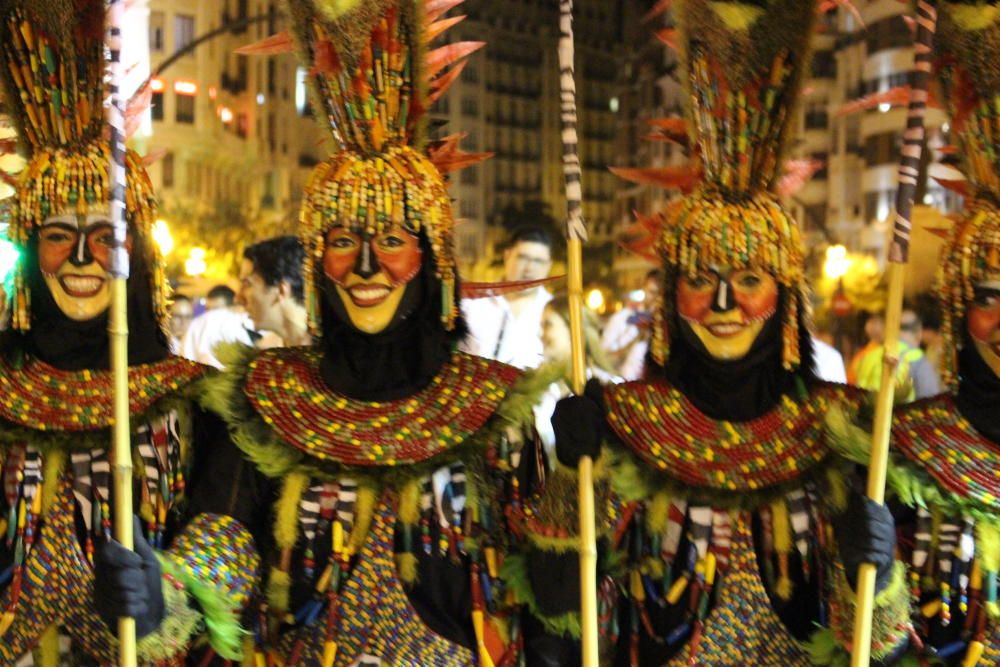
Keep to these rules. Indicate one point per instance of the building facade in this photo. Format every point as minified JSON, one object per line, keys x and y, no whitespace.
{"x":231,"y":131}
{"x":507,"y":101}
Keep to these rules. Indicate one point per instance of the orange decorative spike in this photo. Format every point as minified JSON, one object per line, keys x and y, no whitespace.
{"x":940,"y":232}
{"x":958,"y":186}
{"x":650,"y":224}
{"x":440,"y":85}
{"x":683,"y":178}
{"x":485,"y":290}
{"x":668,"y":36}
{"x":435,"y":9}
{"x":457,"y":160}
{"x":434,"y":30}
{"x":797,"y":174}
{"x":269,"y":46}
{"x":325,"y":61}
{"x":443,"y":56}
{"x":153,"y":156}
{"x":950,"y":149}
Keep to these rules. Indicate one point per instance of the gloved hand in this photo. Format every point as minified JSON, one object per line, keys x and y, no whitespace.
{"x":579,"y":425}
{"x":129,"y":583}
{"x":866,"y":533}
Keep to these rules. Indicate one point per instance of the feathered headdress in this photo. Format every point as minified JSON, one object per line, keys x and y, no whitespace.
{"x":968,"y":44}
{"x":373,"y":80}
{"x":742,"y":65}
{"x":54,"y":85}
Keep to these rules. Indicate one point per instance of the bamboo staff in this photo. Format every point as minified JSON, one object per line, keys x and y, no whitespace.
{"x":909,"y":171}
{"x":118,"y":327}
{"x":576,"y":234}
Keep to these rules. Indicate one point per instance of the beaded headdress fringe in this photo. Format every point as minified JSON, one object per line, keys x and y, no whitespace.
{"x":370,"y":76}
{"x":54,"y":84}
{"x":968,"y":68}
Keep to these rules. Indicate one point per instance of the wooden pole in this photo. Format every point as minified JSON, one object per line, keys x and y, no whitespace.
{"x":121,"y":444}
{"x":576,"y":234}
{"x":909,"y":172}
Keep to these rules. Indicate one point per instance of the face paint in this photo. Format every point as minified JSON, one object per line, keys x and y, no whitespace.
{"x":74,"y":255}
{"x":727,"y":309}
{"x":371,"y":273}
{"x":983,"y":321}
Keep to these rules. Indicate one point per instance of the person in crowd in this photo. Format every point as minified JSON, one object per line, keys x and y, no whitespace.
{"x":557,"y":346}
{"x":271,"y":290}
{"x":626,"y":335}
{"x":874,"y":330}
{"x":945,"y":450}
{"x":508,"y":327}
{"x":742,"y":540}
{"x":181,"y":314}
{"x":220,"y":297}
{"x":220,"y":323}
{"x":914,"y":375}
{"x":829,"y":363}
{"x":55,"y":367}
{"x":375,"y":469}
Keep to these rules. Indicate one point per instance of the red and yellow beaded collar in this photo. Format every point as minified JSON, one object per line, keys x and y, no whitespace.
{"x":284,"y":386}
{"x":44,"y":398}
{"x":933,"y":434}
{"x":664,"y":429}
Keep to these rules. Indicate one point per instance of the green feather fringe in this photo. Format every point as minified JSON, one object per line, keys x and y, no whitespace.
{"x":219,"y":617}
{"x":911,"y":483}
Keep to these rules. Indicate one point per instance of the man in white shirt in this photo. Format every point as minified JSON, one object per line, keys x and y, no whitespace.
{"x":219,"y":324}
{"x":508,"y":328}
{"x":626,"y":335}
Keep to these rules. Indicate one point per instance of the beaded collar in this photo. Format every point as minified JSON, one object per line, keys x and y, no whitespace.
{"x":285,"y":388}
{"x":41,"y":397}
{"x":933,"y":434}
{"x":660,"y":425}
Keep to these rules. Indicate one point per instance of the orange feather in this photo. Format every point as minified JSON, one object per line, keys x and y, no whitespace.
{"x":445,"y":55}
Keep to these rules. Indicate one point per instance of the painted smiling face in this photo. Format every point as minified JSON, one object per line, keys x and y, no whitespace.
{"x":727,"y":308}
{"x":74,"y":255}
{"x":371,"y":272}
{"x":983,"y":321}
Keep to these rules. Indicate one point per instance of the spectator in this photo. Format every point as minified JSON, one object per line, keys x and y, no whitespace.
{"x":271,"y":289}
{"x":220,"y":323}
{"x":181,"y":314}
{"x":914,"y":376}
{"x":220,"y":296}
{"x":874,"y":335}
{"x":626,"y":335}
{"x":508,"y":327}
{"x":558,"y":349}
{"x":828,"y":362}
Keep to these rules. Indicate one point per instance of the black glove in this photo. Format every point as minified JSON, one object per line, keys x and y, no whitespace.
{"x":128,"y":583}
{"x":866,"y":533}
{"x":579,"y":425}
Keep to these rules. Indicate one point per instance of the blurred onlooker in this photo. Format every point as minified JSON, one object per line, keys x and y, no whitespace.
{"x":181,"y":314}
{"x":828,"y":362}
{"x":914,"y":375}
{"x":931,"y":341}
{"x":558,"y":349}
{"x":220,"y":296}
{"x":508,"y":327}
{"x":221,"y":323}
{"x":626,"y":335}
{"x":271,"y":290}
{"x":874,"y":337}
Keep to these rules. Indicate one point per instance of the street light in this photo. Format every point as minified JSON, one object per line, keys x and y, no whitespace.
{"x":195,"y":265}
{"x":162,"y":237}
{"x":595,"y":300}
{"x":837,"y":263}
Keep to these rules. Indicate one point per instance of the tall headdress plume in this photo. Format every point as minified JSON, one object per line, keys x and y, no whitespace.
{"x":742,"y":65}
{"x":373,"y":80}
{"x":968,"y":44}
{"x":54,"y":85}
